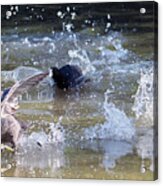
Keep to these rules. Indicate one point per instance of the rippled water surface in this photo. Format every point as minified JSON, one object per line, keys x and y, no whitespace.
{"x":102,"y":131}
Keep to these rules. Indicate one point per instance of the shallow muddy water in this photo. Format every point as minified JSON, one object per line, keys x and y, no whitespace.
{"x":102,"y":131}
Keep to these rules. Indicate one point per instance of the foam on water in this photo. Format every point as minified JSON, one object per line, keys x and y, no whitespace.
{"x":117,"y":125}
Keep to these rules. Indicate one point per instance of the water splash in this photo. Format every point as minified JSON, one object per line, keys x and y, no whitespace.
{"x":116,"y":127}
{"x":143,"y":104}
{"x":145,"y":147}
{"x":143,"y":109}
{"x":55,"y":135}
{"x":82,"y":55}
{"x":32,"y":157}
{"x":67,"y":27}
{"x":54,"y":49}
{"x":57,"y":132}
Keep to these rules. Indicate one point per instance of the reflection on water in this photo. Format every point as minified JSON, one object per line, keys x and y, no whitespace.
{"x":102,"y":131}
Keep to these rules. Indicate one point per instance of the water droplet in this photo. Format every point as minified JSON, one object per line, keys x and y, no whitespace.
{"x":73,"y":15}
{"x":68,"y":9}
{"x":17,"y":8}
{"x":8,"y":13}
{"x":108,"y":16}
{"x":93,"y":29}
{"x":11,"y":8}
{"x":59,"y":13}
{"x":108,"y":25}
{"x":43,"y":9}
{"x":142,"y":10}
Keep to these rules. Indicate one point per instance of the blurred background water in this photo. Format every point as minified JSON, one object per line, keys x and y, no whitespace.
{"x":105,"y":130}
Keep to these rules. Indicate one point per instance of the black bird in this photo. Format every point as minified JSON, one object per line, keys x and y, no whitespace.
{"x":11,"y":127}
{"x":69,"y":76}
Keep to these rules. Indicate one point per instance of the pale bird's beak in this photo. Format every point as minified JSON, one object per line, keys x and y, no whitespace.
{"x":50,"y":73}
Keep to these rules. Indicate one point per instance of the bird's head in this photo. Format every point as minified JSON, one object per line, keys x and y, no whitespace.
{"x":54,"y":73}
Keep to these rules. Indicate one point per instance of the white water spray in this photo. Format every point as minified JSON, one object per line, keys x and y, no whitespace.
{"x":116,"y":127}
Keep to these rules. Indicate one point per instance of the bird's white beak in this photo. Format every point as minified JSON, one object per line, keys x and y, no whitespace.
{"x":50,"y":73}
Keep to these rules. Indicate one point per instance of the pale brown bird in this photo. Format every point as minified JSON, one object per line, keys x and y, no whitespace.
{"x":11,"y":127}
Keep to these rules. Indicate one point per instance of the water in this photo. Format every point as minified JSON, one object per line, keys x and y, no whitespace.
{"x":104,"y":130}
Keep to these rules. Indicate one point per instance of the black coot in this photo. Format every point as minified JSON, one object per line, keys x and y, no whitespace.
{"x":69,"y":76}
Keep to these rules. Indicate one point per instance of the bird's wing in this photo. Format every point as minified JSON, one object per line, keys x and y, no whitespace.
{"x":22,"y":86}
